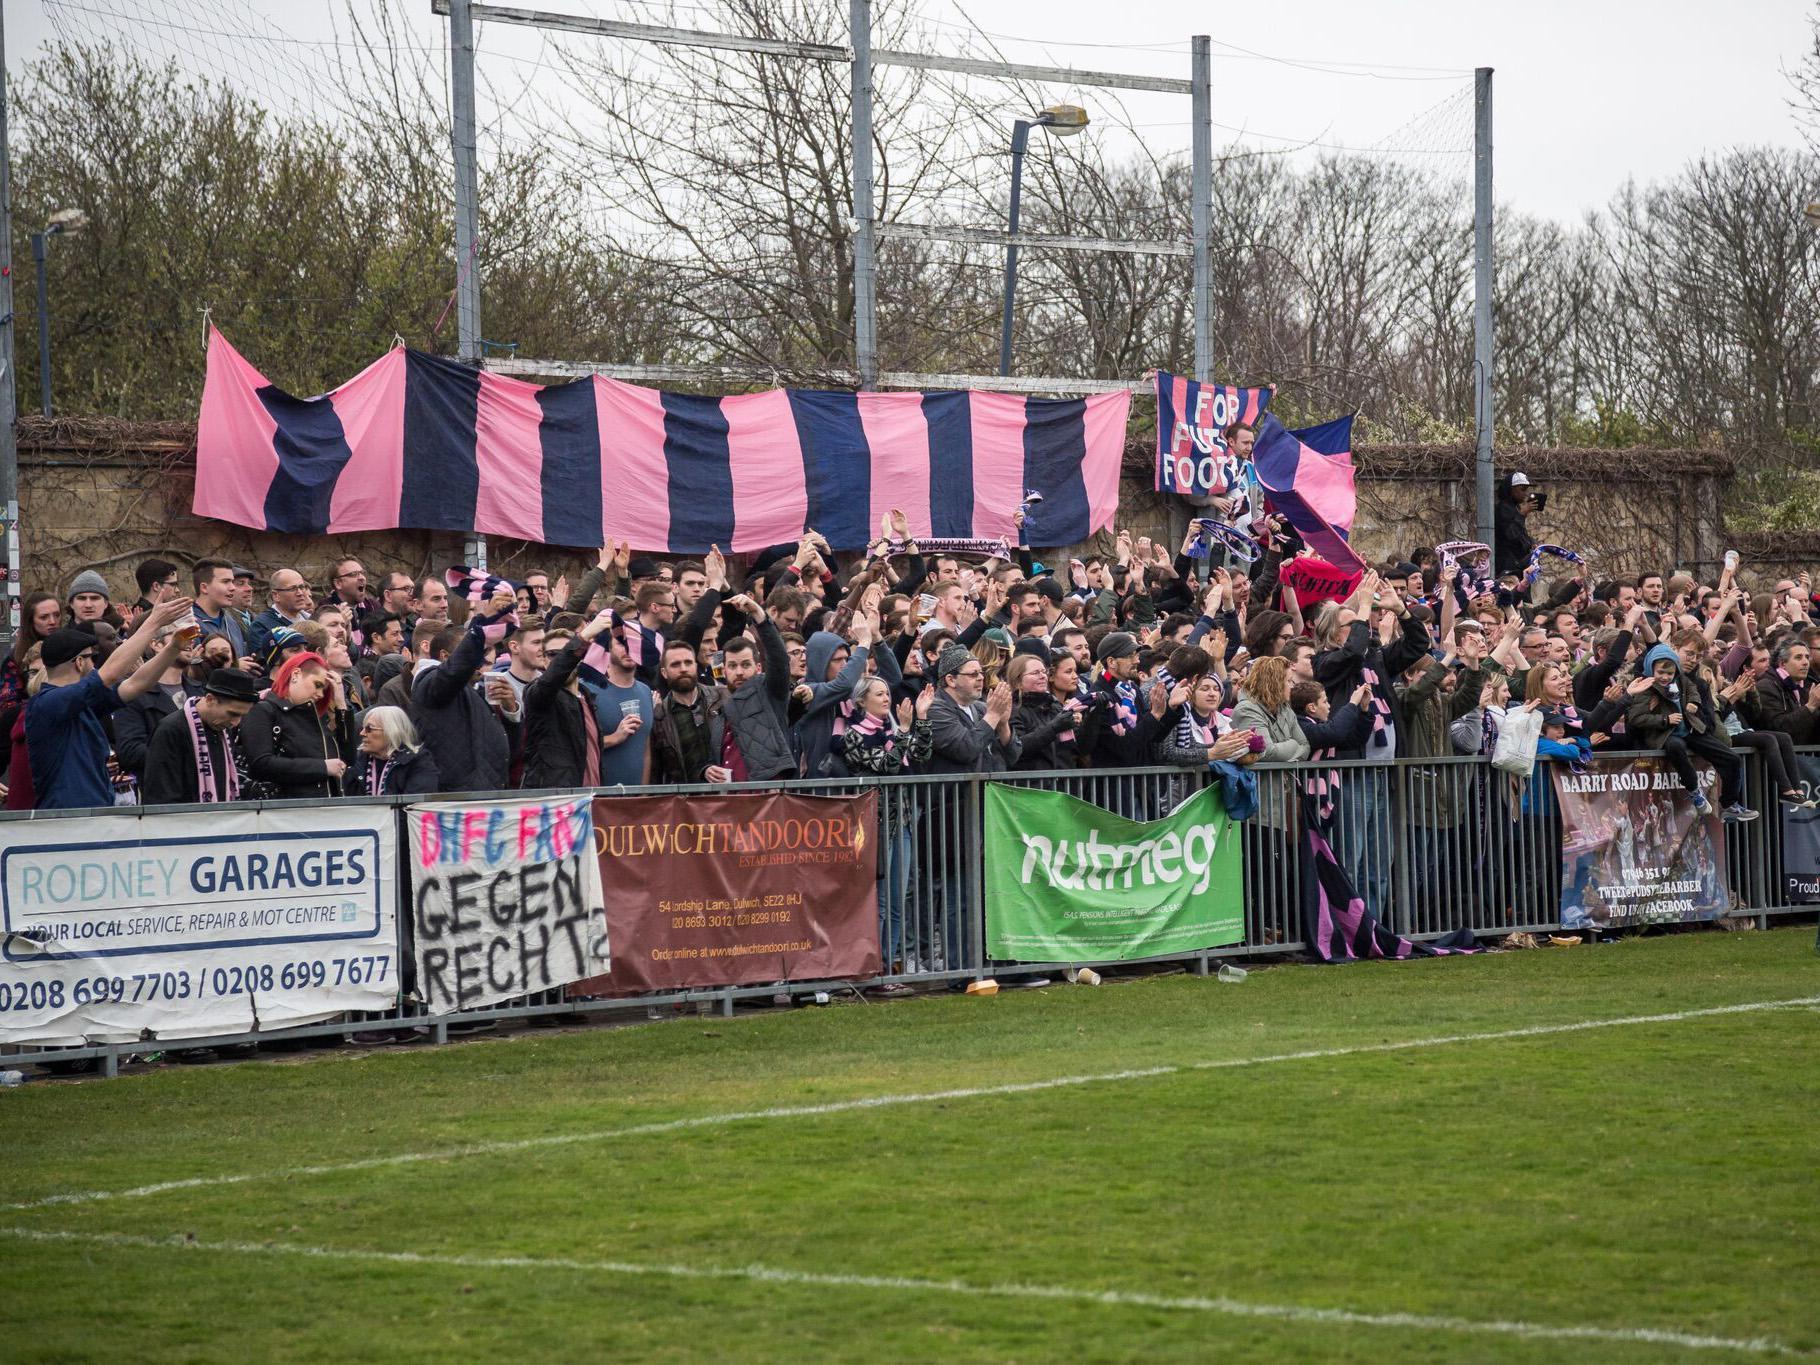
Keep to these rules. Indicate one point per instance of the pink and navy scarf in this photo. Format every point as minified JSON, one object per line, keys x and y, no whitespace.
{"x":211,"y":787}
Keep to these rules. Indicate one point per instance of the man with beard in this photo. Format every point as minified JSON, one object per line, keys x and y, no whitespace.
{"x":687,"y":730}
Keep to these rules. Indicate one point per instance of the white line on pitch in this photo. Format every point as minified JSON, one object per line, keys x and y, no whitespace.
{"x":798,"y":1111}
{"x":1110,"y":1298}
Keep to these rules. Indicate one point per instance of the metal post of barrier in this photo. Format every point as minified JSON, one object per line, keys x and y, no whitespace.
{"x":973,"y":816}
{"x":1399,"y":814}
{"x":110,"y":1063}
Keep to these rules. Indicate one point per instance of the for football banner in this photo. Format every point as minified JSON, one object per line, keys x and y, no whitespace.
{"x":1069,"y":882}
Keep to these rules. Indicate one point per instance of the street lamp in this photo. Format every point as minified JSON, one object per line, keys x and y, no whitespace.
{"x":63,"y":220}
{"x":1063,"y":120}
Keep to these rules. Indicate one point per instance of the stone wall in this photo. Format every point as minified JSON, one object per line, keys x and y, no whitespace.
{"x":103,"y":494}
{"x":1631,"y":508}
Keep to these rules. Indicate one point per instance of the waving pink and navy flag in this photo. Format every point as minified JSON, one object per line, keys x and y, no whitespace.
{"x":1307,"y":476}
{"x":421,"y":441}
{"x":1191,"y":421}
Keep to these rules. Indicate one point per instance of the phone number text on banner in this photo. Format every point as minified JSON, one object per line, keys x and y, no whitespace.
{"x":123,"y":927}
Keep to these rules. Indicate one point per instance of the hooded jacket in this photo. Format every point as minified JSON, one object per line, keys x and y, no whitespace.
{"x":1656,"y":715}
{"x":815,"y":727}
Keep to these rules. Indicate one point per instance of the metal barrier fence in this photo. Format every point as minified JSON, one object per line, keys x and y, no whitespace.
{"x":1434,"y":846}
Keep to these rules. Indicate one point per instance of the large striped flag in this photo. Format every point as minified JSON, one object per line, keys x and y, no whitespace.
{"x":1308,"y":477}
{"x":1191,"y":422}
{"x":420,"y":441}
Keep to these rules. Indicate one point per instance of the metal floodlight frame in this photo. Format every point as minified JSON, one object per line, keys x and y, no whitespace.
{"x":867,"y":231}
{"x":863,"y":58}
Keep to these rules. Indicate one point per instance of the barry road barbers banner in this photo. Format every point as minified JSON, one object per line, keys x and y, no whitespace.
{"x":1633,"y":851}
{"x":1069,"y":882}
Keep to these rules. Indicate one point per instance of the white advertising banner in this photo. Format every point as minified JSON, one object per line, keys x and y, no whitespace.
{"x":119,"y":928}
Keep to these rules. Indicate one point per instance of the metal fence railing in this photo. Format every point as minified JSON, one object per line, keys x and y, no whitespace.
{"x":1434,"y":845}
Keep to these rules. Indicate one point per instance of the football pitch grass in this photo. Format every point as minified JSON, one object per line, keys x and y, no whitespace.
{"x":1597,"y":1153}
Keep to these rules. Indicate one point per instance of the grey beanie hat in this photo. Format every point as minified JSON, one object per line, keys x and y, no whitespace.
{"x":90,"y":581}
{"x":951,"y":660}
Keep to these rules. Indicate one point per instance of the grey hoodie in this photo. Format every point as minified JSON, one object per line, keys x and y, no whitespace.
{"x":815,"y":727}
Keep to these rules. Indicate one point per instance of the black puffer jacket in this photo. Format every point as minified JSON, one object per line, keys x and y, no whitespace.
{"x":288,"y":745}
{"x":469,"y":740}
{"x":1037,"y":722}
{"x":556,"y":733}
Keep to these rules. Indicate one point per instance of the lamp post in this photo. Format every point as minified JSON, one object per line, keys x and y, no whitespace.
{"x":63,"y":220}
{"x":1063,"y":120}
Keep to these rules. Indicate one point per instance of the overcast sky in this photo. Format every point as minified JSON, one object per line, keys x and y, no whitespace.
{"x":1587,"y":94}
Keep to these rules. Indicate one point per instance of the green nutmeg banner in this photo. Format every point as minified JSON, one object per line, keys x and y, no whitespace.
{"x":1069,"y":882}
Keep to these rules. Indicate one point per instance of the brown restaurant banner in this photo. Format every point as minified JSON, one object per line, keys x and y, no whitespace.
{"x":736,"y":890}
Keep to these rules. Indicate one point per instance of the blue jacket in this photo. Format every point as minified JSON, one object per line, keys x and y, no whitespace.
{"x":1539,"y":792}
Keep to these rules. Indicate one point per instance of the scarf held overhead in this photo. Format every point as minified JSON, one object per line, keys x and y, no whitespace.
{"x":421,"y":441}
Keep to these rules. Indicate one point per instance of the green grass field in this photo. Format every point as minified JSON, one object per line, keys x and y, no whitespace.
{"x":1644,"y":1191}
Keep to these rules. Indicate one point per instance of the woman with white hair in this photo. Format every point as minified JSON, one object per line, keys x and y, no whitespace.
{"x":392,"y":760}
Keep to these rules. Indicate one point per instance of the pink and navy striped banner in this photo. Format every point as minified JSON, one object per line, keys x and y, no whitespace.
{"x":420,"y":441}
{"x":1191,"y":422}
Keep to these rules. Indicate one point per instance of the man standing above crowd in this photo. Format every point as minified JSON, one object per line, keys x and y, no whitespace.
{"x":214,"y":580}
{"x":195,"y":753}
{"x":64,"y":735}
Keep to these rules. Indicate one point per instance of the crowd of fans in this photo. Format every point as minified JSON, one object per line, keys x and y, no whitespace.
{"x":899,"y":660}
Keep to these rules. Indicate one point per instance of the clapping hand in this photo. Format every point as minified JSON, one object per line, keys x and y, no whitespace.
{"x":998,"y":705}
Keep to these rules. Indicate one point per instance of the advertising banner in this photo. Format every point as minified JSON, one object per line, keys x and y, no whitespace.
{"x":738,"y":890}
{"x":125,"y":927}
{"x":1632,"y":849}
{"x":1801,"y":838}
{"x":505,"y":900}
{"x":1069,"y":882}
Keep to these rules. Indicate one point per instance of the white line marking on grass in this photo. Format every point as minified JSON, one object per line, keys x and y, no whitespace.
{"x":797,"y":1111}
{"x":1110,"y":1298}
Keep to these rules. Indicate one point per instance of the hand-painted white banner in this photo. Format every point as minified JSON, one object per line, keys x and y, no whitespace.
{"x":505,"y":900}
{"x":121,"y":927}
